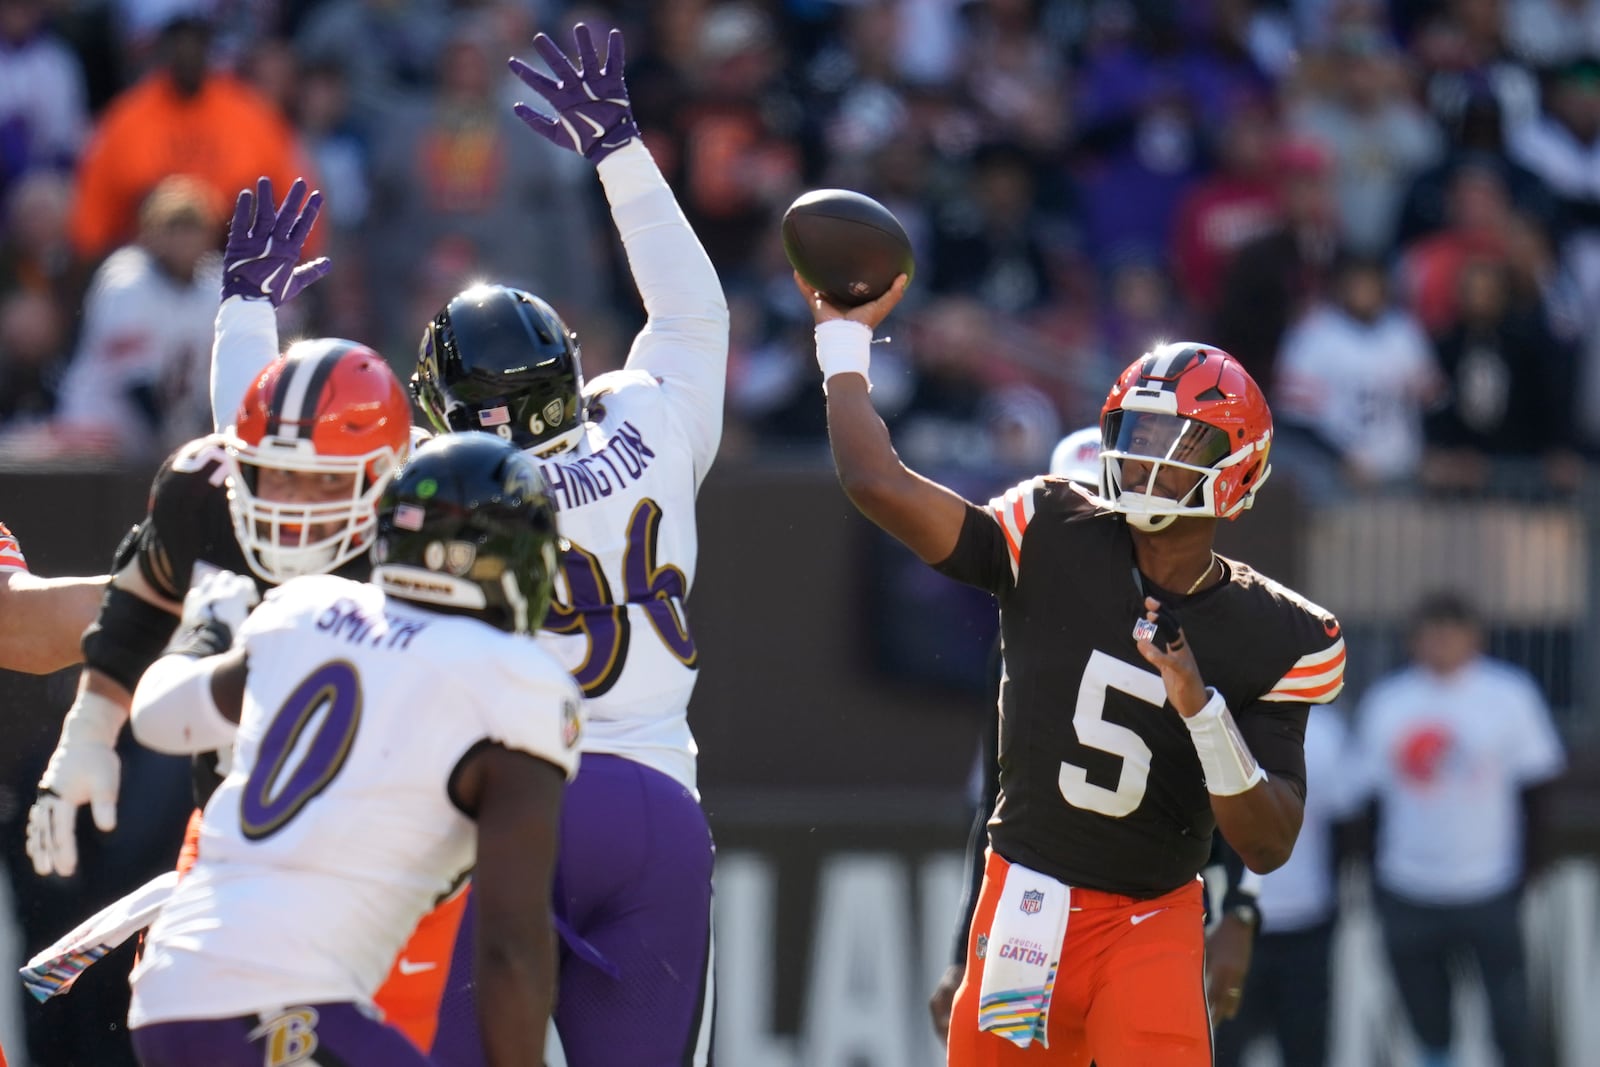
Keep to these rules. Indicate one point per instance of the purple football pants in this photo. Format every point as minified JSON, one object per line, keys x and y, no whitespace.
{"x":314,"y":1033}
{"x":633,"y":907}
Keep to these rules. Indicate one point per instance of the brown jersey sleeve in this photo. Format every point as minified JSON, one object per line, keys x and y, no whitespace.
{"x":981,"y":557}
{"x":1302,"y":664}
{"x":169,"y":535}
{"x":1276,"y":736}
{"x":989,"y":551}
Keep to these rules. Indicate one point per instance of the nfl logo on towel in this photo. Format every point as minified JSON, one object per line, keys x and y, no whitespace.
{"x":1032,"y":901}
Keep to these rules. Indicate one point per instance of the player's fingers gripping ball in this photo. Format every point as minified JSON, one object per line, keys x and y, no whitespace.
{"x":846,"y":246}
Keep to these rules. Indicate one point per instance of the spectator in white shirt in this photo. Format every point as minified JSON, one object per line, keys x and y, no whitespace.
{"x":1354,"y":378}
{"x":138,"y":383}
{"x":1455,"y":747}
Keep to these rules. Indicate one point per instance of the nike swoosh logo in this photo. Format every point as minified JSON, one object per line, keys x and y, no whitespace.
{"x":599,"y":130}
{"x":1136,"y":920}
{"x":409,"y":968}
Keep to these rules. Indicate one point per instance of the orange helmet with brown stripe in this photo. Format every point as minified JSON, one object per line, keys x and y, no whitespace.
{"x":330,"y":421}
{"x":1185,"y":431}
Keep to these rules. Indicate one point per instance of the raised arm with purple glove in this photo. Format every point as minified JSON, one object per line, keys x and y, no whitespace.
{"x":261,"y":260}
{"x":593,"y":117}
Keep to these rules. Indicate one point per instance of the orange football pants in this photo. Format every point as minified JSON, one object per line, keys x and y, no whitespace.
{"x":1127,"y":994}
{"x":409,"y":997}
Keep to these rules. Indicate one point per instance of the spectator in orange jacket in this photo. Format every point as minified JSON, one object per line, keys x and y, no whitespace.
{"x":181,"y":118}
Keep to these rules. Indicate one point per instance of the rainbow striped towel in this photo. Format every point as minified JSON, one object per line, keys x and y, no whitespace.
{"x":53,"y":971}
{"x":1021,"y":954}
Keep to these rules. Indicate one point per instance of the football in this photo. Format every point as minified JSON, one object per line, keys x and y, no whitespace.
{"x":847,"y":246}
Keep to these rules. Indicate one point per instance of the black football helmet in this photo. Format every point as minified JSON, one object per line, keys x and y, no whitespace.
{"x":501,"y":360}
{"x":466,"y":526}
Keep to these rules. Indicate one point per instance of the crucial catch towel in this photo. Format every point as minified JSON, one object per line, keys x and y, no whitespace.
{"x":54,"y":969}
{"x":1020,"y":954}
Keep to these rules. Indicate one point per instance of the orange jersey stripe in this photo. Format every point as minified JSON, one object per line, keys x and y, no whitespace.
{"x":1317,"y":668}
{"x":1313,"y":692}
{"x":1011,"y":545}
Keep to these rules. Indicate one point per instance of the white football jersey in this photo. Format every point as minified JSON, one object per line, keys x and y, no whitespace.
{"x":334,"y":831}
{"x":626,"y":497}
{"x":626,"y":491}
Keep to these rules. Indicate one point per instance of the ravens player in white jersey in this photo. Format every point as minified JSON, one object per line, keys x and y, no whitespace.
{"x":624,"y":456}
{"x":361,"y":767}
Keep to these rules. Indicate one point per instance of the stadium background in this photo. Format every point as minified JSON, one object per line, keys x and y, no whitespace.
{"x":842,"y":684}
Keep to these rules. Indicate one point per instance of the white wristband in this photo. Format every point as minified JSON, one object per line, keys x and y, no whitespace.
{"x":1229,"y":767}
{"x":843,"y":347}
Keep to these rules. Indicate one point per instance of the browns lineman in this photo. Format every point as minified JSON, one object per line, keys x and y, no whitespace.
{"x":1153,"y":692}
{"x":290,"y":487}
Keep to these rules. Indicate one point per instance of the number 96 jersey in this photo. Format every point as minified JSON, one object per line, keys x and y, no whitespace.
{"x":626,"y":497}
{"x":335,"y":829}
{"x":1100,"y":785}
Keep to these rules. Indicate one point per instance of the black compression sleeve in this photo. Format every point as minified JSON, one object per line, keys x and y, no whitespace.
{"x":126,"y":637}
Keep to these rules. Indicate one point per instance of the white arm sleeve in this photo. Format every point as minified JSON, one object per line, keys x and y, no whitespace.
{"x":246,"y":341}
{"x":173,"y":711}
{"x":685,"y":339}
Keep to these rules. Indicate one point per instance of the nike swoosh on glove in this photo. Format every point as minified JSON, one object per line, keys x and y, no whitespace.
{"x":262,"y":257}
{"x":593,"y":116}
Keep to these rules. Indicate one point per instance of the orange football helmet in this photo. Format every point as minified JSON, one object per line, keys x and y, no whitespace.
{"x":1183,"y":409}
{"x":325,"y":407}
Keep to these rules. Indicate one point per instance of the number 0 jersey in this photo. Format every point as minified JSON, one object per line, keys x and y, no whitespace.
{"x":334,"y":831}
{"x":1100,"y":785}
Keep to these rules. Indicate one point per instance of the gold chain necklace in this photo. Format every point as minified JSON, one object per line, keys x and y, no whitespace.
{"x":1212,"y":562}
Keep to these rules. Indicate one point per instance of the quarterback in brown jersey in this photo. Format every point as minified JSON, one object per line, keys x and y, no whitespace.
{"x":1153,"y":692}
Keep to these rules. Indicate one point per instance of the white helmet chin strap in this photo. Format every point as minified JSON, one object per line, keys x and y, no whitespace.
{"x":1148,"y":523}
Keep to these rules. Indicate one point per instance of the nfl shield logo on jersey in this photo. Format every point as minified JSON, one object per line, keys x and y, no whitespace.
{"x":1032,"y":901}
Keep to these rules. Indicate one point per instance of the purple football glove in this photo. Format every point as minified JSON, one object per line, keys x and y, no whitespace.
{"x":593,"y":117}
{"x":264,"y":245}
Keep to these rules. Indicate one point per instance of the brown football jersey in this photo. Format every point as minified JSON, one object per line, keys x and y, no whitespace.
{"x":1100,"y":785}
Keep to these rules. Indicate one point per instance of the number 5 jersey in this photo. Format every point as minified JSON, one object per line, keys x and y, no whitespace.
{"x":1100,"y":786}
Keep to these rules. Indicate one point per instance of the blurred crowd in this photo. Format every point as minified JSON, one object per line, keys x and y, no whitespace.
{"x":1390,"y":211}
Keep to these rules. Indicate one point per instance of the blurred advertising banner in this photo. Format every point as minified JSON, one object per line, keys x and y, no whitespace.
{"x":828,"y":945}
